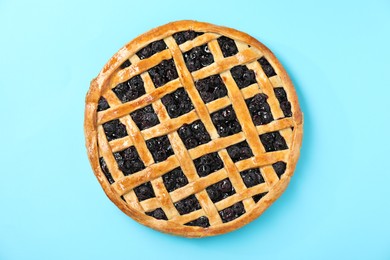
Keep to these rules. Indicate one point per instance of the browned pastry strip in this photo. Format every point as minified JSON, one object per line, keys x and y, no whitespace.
{"x":182,"y":219}
{"x":120,"y":144}
{"x":169,"y":126}
{"x":123,"y":109}
{"x":186,"y":79}
{"x":269,"y":175}
{"x":138,"y":68}
{"x":202,"y":39}
{"x":127,"y":183}
{"x":235,"y":178}
{"x":267,"y":88}
{"x":243,"y":114}
{"x":218,"y":104}
{"x":275,"y":125}
{"x":247,"y":193}
{"x":216,"y":145}
{"x":198,"y":185}
{"x":185,"y":159}
{"x":262,"y":160}
{"x":218,"y":67}
{"x":108,"y":156}
{"x":250,"y":91}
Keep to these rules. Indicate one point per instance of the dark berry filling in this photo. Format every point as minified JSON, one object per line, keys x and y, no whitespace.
{"x":258,"y":197}
{"x":114,"y":129}
{"x":182,"y":37}
{"x":102,"y":104}
{"x":220,"y":190}
{"x":130,"y":90}
{"x":259,"y":109}
{"x":163,"y":73}
{"x":198,"y":58}
{"x":144,"y":191}
{"x":151,"y":49}
{"x":285,"y":105}
{"x":243,"y":76}
{"x":194,"y":134}
{"x":174,"y":179}
{"x":279,"y":167}
{"x":160,"y":147}
{"x":203,"y":221}
{"x":240,"y":151}
{"x":228,"y":46}
{"x":128,"y":161}
{"x":177,"y":103}
{"x":232,"y":212}
{"x":273,"y":141}
{"x":225,"y":121}
{"x":207,"y":164}
{"x":157,"y":214}
{"x":187,"y":205}
{"x":145,"y":117}
{"x":125,"y":64}
{"x":252,"y":177}
{"x":211,"y":88}
{"x":105,"y":170}
{"x":268,"y":70}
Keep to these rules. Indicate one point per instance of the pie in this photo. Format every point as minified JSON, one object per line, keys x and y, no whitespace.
{"x":193,"y":129}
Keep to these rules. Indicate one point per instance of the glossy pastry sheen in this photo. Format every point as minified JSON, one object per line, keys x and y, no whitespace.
{"x":193,"y":129}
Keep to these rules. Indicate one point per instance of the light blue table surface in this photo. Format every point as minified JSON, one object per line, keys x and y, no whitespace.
{"x":338,"y":203}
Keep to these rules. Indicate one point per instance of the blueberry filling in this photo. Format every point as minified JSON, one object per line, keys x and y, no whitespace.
{"x":207,"y":164}
{"x":177,"y":103}
{"x":160,"y":147}
{"x":130,"y":90}
{"x":258,"y":197}
{"x":182,"y":37}
{"x":252,"y":177}
{"x":164,"y":72}
{"x":203,"y":221}
{"x":211,"y":88}
{"x":194,"y":134}
{"x":268,"y":70}
{"x":220,"y":190}
{"x":240,"y":151}
{"x":125,"y":64}
{"x":228,"y":46}
{"x":259,"y":109}
{"x":128,"y":161}
{"x":145,"y":117}
{"x":279,"y":167}
{"x":198,"y":58}
{"x":151,"y":49}
{"x":273,"y":141}
{"x":232,"y":212}
{"x":174,"y":179}
{"x":187,"y":205}
{"x":144,"y":191}
{"x":105,"y":170}
{"x":285,"y":105}
{"x":102,"y":104}
{"x":114,"y":129}
{"x":157,"y":214}
{"x":225,"y":121}
{"x":243,"y":76}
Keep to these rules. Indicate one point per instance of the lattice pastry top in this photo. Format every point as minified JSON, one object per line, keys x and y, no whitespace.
{"x":193,"y":129}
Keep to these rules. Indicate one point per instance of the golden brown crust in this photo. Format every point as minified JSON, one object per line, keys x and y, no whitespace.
{"x":96,"y":142}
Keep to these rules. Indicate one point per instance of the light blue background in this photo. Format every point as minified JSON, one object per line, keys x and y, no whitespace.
{"x":338,"y":203}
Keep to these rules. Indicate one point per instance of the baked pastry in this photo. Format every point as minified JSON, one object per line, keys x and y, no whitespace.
{"x":193,"y":129}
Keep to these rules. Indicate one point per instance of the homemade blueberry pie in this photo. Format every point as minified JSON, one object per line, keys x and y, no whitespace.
{"x":193,"y":129}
